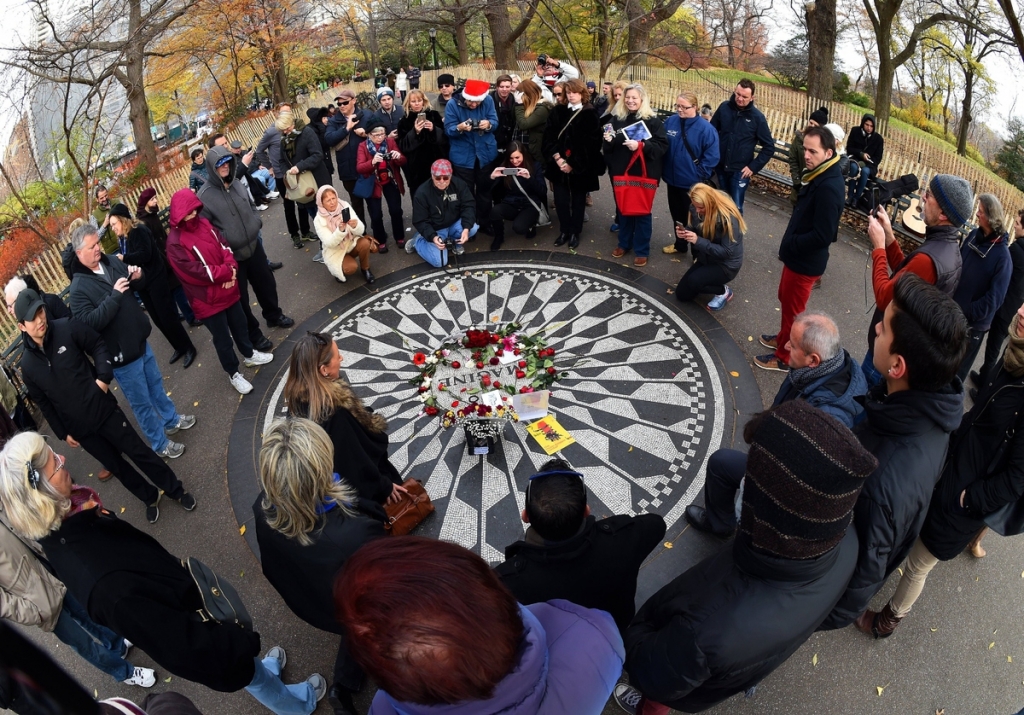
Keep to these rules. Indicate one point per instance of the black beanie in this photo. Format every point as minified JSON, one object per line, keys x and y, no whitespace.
{"x":820,"y":115}
{"x":445,"y":79}
{"x":805,"y":470}
{"x":121,"y":210}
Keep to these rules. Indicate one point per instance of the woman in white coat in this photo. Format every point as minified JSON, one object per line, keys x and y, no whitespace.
{"x":341,"y":233}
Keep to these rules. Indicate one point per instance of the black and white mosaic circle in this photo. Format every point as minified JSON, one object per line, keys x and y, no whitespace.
{"x":643,"y":397}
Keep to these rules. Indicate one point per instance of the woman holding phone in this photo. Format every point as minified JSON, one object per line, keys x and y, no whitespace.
{"x":715,"y":235}
{"x":421,"y":138}
{"x":341,"y":234}
{"x":520,"y":194}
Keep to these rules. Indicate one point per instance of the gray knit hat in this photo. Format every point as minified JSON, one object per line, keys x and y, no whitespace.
{"x":954,"y":196}
{"x":805,"y":470}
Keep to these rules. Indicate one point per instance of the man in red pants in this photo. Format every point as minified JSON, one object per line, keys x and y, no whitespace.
{"x":811,"y":231}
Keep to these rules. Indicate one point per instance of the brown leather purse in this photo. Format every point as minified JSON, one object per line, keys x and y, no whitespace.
{"x":406,"y":515}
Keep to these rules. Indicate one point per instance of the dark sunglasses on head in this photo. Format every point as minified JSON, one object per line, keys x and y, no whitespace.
{"x":538,"y":475}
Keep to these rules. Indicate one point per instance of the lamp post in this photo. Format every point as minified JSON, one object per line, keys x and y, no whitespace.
{"x":433,"y":45}
{"x":483,"y":47}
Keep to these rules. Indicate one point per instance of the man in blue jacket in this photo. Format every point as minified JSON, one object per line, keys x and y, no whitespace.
{"x":823,"y":375}
{"x":470,"y":122}
{"x":740,"y":127}
{"x":691,"y":158}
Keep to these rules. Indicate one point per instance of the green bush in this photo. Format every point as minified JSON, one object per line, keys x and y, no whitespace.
{"x":858,"y":98}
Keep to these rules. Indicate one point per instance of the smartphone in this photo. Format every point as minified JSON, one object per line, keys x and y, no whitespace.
{"x":680,"y":224}
{"x":346,"y":215}
{"x":874,"y":202}
{"x":421,"y":115}
{"x":509,"y":171}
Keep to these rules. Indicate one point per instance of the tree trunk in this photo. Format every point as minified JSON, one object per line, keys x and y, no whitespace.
{"x":280,"y":78}
{"x":821,"y":35}
{"x":886,"y":71}
{"x":965,"y":114}
{"x":133,"y":81}
{"x":503,"y":35}
{"x":461,"y":43}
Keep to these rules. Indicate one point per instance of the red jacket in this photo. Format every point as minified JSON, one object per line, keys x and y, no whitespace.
{"x":365,"y":167}
{"x":200,"y":258}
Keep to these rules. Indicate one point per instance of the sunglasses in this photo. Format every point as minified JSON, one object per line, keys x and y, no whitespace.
{"x":442,"y":178}
{"x":344,"y":104}
{"x":539,"y":475}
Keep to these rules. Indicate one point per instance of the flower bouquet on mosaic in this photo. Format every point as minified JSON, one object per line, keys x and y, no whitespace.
{"x":492,"y":360}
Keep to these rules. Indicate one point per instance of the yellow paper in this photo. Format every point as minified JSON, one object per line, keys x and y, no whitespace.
{"x":550,"y":435}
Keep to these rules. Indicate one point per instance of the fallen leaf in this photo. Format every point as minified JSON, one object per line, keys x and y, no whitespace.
{"x":195,"y":404}
{"x":168,"y":394}
{"x":241,"y":574}
{"x":995,"y":631}
{"x":940,"y":711}
{"x":933,"y":629}
{"x":880,"y":688}
{"x":991,"y":645}
{"x":242,"y":530}
{"x":631,"y":448}
{"x":90,"y":474}
{"x":900,"y":570}
{"x":122,"y":510}
{"x":750,"y":338}
{"x":734,"y":373}
{"x":676,"y":260}
{"x":1009,"y":659}
{"x":96,"y":694}
{"x":814,"y":660}
{"x":668,"y":544}
{"x":167,"y":679}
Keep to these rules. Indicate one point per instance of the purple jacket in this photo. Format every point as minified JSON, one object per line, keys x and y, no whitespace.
{"x":569,"y":662}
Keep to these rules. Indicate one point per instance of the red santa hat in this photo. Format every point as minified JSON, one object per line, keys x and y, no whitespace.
{"x":475,"y":90}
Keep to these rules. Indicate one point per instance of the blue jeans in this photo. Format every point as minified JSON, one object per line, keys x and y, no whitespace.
{"x":857,"y":189}
{"x":873,"y":376}
{"x":635,"y":234}
{"x":733,"y":183}
{"x":434,"y":255}
{"x":95,"y":643}
{"x":268,"y":688}
{"x":143,"y":385}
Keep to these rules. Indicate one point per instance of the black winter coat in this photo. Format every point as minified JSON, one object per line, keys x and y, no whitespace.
{"x":139,"y":249}
{"x":315,"y":115}
{"x":617,"y":156}
{"x":114,"y":315}
{"x":130,"y":583}
{"x":993,"y":476}
{"x":908,"y":433}
{"x":391,"y":119}
{"x":159,"y":234}
{"x":739,"y":132}
{"x":345,"y":158}
{"x":579,"y":145}
{"x":421,"y":149}
{"x":361,"y":456}
{"x":506,"y":120}
{"x":433,"y":209}
{"x":506,"y":191}
{"x":1015,"y":292}
{"x":729,"y":621}
{"x":860,"y":143}
{"x":597,"y":568}
{"x":307,"y":155}
{"x":62,"y":381}
{"x":814,"y":225}
{"x":304,"y":575}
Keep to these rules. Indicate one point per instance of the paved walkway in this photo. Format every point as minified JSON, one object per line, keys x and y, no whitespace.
{"x":940,"y":658}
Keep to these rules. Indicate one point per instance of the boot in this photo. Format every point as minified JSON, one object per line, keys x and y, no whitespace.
{"x":879,"y":625}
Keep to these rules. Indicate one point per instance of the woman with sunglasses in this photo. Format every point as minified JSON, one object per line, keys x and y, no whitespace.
{"x":131,"y":585}
{"x":315,"y":390}
{"x":572,"y":143}
{"x":985,"y":277}
{"x":380,"y":158}
{"x":620,"y":150}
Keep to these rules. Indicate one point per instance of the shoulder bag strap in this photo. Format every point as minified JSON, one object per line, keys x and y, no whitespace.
{"x":686,"y":143}
{"x":534,"y":205}
{"x":575,"y":114}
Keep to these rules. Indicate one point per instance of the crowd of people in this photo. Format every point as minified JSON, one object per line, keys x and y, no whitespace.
{"x":855,"y":469}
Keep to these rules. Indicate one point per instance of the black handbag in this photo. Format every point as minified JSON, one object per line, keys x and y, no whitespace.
{"x":221,"y":602}
{"x":1009,"y":519}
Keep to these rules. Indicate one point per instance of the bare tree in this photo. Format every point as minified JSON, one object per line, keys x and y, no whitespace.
{"x":821,"y":40}
{"x":503,"y":34}
{"x":737,"y":26}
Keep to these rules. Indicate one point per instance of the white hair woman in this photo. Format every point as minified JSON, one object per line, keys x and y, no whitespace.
{"x":309,"y":521}
{"x":132,"y":585}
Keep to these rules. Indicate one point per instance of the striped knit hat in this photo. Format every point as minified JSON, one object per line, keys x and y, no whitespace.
{"x":805,"y":470}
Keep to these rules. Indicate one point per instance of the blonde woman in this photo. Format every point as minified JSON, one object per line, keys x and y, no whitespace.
{"x":309,"y":522}
{"x":716,"y":236}
{"x":420,"y":138}
{"x":342,"y":237}
{"x":532,"y":112}
{"x":619,"y":150}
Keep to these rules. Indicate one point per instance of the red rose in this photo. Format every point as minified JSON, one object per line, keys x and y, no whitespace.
{"x":517,"y":351}
{"x":430,"y":410}
{"x":419,"y":359}
{"x":499,"y":352}
{"x":497,"y":385}
{"x":479,"y":366}
{"x":441,"y":387}
{"x":486,"y":379}
{"x":423,"y":389}
{"x":525,"y":389}
{"x":456,"y":364}
{"x":551,"y":371}
{"x":495,"y":361}
{"x":477,"y":338}
{"x":455,"y":403}
{"x":520,"y":374}
{"x":522,"y":363}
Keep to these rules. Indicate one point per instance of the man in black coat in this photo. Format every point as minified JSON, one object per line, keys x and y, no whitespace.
{"x":568,"y":554}
{"x":812,"y":229}
{"x":741,"y":126}
{"x":732,"y":619}
{"x":345,"y":130}
{"x":443,"y":215}
{"x":74,"y":396}
{"x":865,"y":146}
{"x":918,"y":346}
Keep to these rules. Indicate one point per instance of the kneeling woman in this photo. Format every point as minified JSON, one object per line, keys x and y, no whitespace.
{"x":717,"y":241}
{"x":519,"y":196}
{"x":341,"y":237}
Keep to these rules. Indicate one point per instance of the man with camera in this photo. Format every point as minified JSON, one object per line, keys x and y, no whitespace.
{"x":812,"y":229}
{"x":443,"y":214}
{"x":550,"y":72}
{"x":470,"y":123}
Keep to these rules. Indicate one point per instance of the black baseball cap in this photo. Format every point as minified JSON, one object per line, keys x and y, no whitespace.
{"x":26,"y":305}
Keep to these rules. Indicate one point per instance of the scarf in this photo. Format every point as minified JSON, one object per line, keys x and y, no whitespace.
{"x":82,"y":498}
{"x":1013,"y":358}
{"x":810,"y":176}
{"x":383,"y":169}
{"x":333,"y":219}
{"x":803,"y":377}
{"x":288,"y":142}
{"x":576,"y":107}
{"x":328,"y":504}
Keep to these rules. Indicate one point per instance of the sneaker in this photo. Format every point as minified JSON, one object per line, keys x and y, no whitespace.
{"x":172,"y":450}
{"x":272,"y":194}
{"x":238,"y":382}
{"x":319,"y":684}
{"x":262,"y":207}
{"x":144,"y":677}
{"x":319,"y":257}
{"x":127,"y":647}
{"x":184,"y":422}
{"x":586,"y":216}
{"x":614,"y":227}
{"x":770,"y":362}
{"x":278,"y":653}
{"x":308,"y":236}
{"x":296,"y":241}
{"x":719,"y":301}
{"x":153,"y":511}
{"x":258,"y":358}
{"x":669,"y":250}
{"x":627,"y":697}
{"x":410,"y":245}
{"x":187,"y":501}
{"x":769,"y":341}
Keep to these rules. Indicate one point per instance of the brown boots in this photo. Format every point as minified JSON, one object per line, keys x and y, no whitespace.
{"x":879,"y":625}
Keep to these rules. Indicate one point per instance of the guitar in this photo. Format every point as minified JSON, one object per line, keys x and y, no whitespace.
{"x":913,"y":218}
